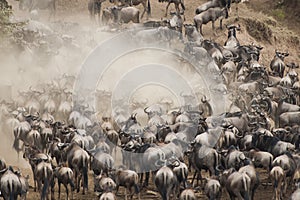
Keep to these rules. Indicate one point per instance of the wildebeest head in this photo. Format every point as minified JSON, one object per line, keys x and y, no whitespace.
{"x":281,"y":55}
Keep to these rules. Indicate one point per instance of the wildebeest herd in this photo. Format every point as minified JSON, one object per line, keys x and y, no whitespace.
{"x":64,"y":141}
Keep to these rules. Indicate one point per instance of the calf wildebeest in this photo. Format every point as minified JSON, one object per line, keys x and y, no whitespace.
{"x":64,"y":176}
{"x":176,"y":3}
{"x":129,"y":179}
{"x":212,"y":15}
{"x":288,"y":164}
{"x":94,"y":7}
{"x":108,"y":196}
{"x":126,"y":14}
{"x":213,"y":189}
{"x":277,"y":176}
{"x":103,"y":184}
{"x":145,"y":3}
{"x":277,"y":64}
{"x":213,"y":4}
{"x":234,"y":158}
{"x":78,"y":160}
{"x":39,"y":4}
{"x":187,"y":194}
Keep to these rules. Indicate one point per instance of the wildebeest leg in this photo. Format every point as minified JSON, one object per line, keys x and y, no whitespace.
{"x":177,"y":8}
{"x":147,"y":179}
{"x":59,"y":184}
{"x":145,"y":9}
{"x":125,"y":193}
{"x":67,"y":190}
{"x":201,"y":29}
{"x":117,"y":189}
{"x":221,"y":24}
{"x":141,"y":178}
{"x":195,"y":173}
{"x":213,"y":25}
{"x":167,"y":9}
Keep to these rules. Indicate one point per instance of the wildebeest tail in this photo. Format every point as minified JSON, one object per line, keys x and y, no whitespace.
{"x":85,"y":173}
{"x":46,"y":184}
{"x":245,"y":191}
{"x":10,"y":187}
{"x":182,"y":4}
{"x":270,"y":163}
{"x":70,"y":175}
{"x":149,"y":8}
{"x":228,"y":4}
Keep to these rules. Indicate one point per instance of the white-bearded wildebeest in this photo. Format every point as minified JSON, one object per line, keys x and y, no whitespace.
{"x":126,"y":14}
{"x":277,"y":64}
{"x":145,"y":3}
{"x":10,"y":185}
{"x":176,"y":3}
{"x":212,"y":15}
{"x":213,"y":4}
{"x":39,"y":4}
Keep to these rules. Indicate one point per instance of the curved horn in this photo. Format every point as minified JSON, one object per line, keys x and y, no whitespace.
{"x":146,"y":109}
{"x":3,"y":170}
{"x":176,"y":163}
{"x":239,"y":135}
{"x":219,"y":168}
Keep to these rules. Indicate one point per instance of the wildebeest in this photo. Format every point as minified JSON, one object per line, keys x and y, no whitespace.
{"x":39,"y":4}
{"x":64,"y":176}
{"x":176,"y":3}
{"x":166,"y":182}
{"x":44,"y":177}
{"x":277,"y":176}
{"x":126,"y":14}
{"x":232,"y":41}
{"x":78,"y":160}
{"x":213,"y":4}
{"x":212,"y":15}
{"x":237,"y":184}
{"x":129,"y":179}
{"x":10,"y":185}
{"x":277,"y":64}
{"x":213,"y":189}
{"x":187,"y":194}
{"x":145,"y":3}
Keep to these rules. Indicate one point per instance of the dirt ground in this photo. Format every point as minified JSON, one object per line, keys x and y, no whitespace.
{"x":280,"y":37}
{"x":263,"y":192}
